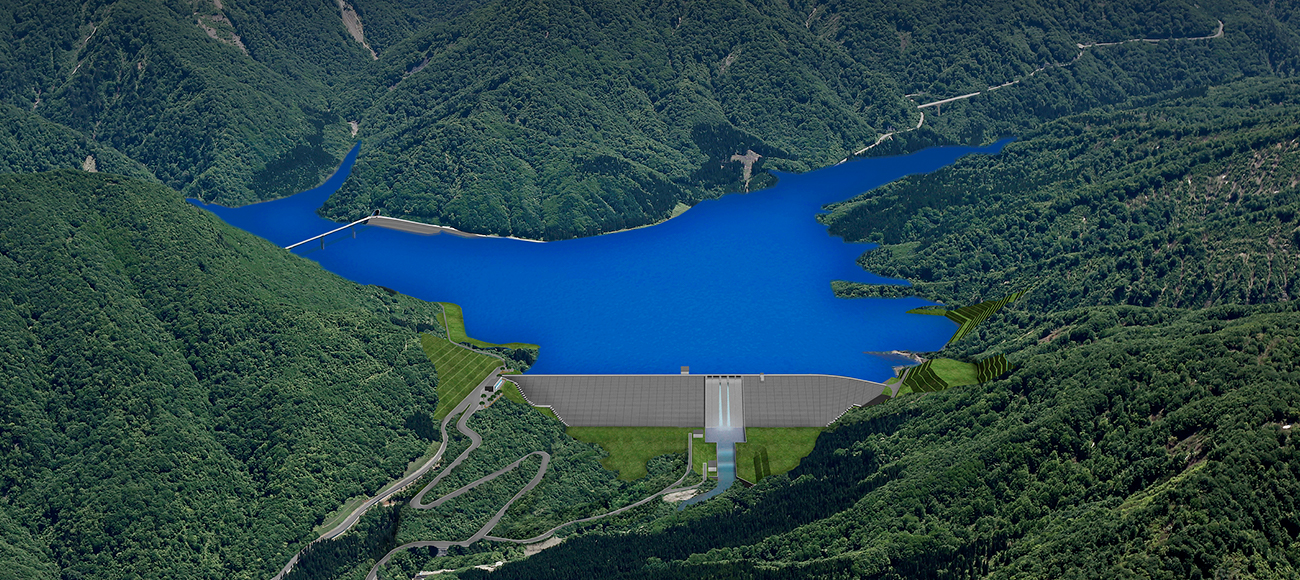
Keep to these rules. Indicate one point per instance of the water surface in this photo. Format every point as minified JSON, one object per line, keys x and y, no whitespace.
{"x":736,"y":285}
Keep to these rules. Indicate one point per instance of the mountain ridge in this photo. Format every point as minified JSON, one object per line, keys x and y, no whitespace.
{"x":176,"y":389}
{"x":578,"y":117}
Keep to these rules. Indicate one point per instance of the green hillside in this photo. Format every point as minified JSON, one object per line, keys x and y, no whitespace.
{"x":1186,"y":204}
{"x":182,"y":399}
{"x":234,"y":115}
{"x":577,"y":117}
{"x":1146,"y":428}
{"x":29,"y":143}
{"x":574,"y":117}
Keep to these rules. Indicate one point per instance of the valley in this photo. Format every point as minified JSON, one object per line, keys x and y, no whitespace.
{"x":1078,"y":221}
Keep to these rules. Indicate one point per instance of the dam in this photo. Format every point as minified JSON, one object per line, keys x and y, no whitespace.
{"x":724,"y":404}
{"x":762,"y":400}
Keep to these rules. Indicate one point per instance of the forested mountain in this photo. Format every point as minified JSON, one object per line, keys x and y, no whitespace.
{"x":1188,"y":203}
{"x":182,"y":399}
{"x":1146,"y":429}
{"x":220,"y":102}
{"x":29,"y":143}
{"x":574,"y":117}
{"x":569,"y":118}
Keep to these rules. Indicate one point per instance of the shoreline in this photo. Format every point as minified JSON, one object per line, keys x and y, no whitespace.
{"x":904,"y":354}
{"x":427,"y":229}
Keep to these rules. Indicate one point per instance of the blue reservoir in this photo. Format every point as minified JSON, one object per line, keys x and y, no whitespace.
{"x":739,"y":284}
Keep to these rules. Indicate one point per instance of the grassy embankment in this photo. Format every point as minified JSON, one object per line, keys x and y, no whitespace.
{"x":454,"y":321}
{"x":339,"y":514}
{"x":945,"y":373}
{"x":777,"y":450}
{"x":630,"y":448}
{"x":459,"y":371}
{"x":512,"y":393}
{"x":953,"y":372}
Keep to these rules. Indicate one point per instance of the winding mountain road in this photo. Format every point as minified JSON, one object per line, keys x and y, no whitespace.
{"x":398,"y":485}
{"x":1082,"y":47}
{"x":482,"y":534}
{"x":1218,"y":33}
{"x":393,"y":488}
{"x":464,"y":410}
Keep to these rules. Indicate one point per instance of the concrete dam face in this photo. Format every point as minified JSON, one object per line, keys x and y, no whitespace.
{"x":685,"y":401}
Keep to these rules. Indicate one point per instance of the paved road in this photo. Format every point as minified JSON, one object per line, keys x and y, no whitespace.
{"x":541,"y":469}
{"x":482,"y":534}
{"x":470,"y":400}
{"x":396,"y":486}
{"x":1217,"y":34}
{"x":464,"y":410}
{"x":670,"y":489}
{"x":946,"y":101}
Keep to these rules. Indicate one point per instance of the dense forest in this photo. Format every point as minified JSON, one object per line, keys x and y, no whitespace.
{"x":1145,"y":430}
{"x":1188,"y":203}
{"x":29,"y":143}
{"x":569,"y":118}
{"x":491,"y":122}
{"x":207,"y":108}
{"x":182,"y":399}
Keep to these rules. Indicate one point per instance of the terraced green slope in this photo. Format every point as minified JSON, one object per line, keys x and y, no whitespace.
{"x":459,"y":371}
{"x":1147,"y":427}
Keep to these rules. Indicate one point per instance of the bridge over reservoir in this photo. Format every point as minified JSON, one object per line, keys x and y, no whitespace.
{"x":693,"y":400}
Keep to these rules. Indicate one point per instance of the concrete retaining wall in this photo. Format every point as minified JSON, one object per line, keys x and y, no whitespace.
{"x":618,"y":400}
{"x":804,"y":400}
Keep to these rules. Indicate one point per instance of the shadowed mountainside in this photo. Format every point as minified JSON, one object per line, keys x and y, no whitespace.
{"x":182,"y":398}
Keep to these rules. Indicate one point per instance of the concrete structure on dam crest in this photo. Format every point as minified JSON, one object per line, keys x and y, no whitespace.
{"x":691,"y":400}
